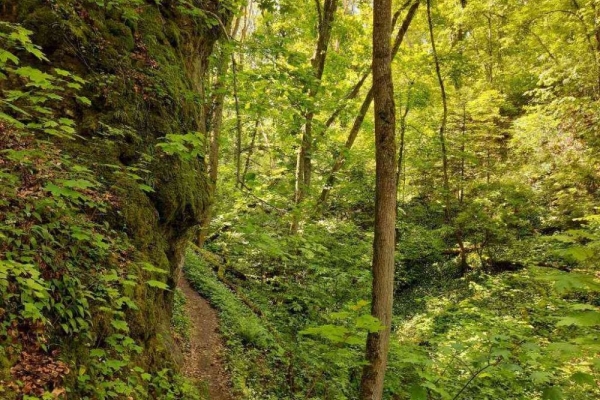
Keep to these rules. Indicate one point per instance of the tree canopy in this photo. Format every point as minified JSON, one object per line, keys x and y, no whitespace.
{"x":269,"y":151}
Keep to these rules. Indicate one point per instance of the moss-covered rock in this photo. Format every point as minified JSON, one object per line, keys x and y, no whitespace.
{"x":143,"y":66}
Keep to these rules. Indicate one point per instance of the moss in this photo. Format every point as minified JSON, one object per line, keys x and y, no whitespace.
{"x":173,"y":34}
{"x":43,"y":22}
{"x":120,"y":35}
{"x":143,"y":81}
{"x":5,"y":365}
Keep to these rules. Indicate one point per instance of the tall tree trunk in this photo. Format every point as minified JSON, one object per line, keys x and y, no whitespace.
{"x":304,"y":160}
{"x":464,"y":266}
{"x":353,"y":93}
{"x":371,"y":386}
{"x":238,"y":125}
{"x":250,"y":150}
{"x":401,"y":143}
{"x":269,"y":150}
{"x":360,"y":117}
{"x":443,"y":124}
{"x":215,"y":133}
{"x":350,"y":96}
{"x":215,"y":116}
{"x":341,"y":158}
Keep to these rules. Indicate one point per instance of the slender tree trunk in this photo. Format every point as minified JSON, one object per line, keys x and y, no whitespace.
{"x":239,"y":131}
{"x":356,"y":88}
{"x":269,"y":150}
{"x":350,"y":96}
{"x":341,"y":158}
{"x":463,"y":139}
{"x":490,"y":51}
{"x":213,"y":155}
{"x":401,"y":144}
{"x":595,"y":49}
{"x":371,"y":386}
{"x":250,"y":150}
{"x":215,"y":116}
{"x":442,"y":131}
{"x":248,"y":11}
{"x":464,"y":266}
{"x":304,"y":159}
{"x":307,"y":146}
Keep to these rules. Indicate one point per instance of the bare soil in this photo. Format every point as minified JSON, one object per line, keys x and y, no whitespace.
{"x":203,"y":362}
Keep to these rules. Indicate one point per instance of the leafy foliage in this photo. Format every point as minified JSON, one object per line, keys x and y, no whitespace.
{"x":67,"y":281}
{"x":498,"y":237}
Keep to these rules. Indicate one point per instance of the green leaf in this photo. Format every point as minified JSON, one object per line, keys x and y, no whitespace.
{"x":8,"y":56}
{"x":78,"y":184}
{"x":563,"y":347}
{"x":61,"y":72}
{"x":84,"y":100}
{"x":58,"y":191}
{"x":417,"y":392}
{"x":74,"y":85}
{"x":97,"y":353}
{"x":354,"y":340}
{"x":34,"y":75}
{"x":505,"y":354}
{"x":115,"y":365}
{"x":158,"y":284}
{"x":552,"y":393}
{"x":360,"y":304}
{"x":66,"y":121}
{"x":588,"y":318}
{"x":334,"y":333}
{"x":11,"y":120}
{"x":145,"y":188}
{"x":437,"y":389}
{"x":120,"y":325}
{"x":151,"y":268}
{"x":370,"y":323}
{"x":539,"y":377}
{"x":581,"y":378}
{"x":339,"y":315}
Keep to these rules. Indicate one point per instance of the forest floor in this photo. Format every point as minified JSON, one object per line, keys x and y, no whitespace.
{"x":203,"y":362}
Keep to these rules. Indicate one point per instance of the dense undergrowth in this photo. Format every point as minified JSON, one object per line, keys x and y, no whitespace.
{"x":294,"y":309}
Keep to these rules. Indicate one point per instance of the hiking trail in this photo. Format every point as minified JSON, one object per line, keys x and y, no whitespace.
{"x":203,"y":362}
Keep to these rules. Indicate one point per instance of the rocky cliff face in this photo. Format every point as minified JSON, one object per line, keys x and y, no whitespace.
{"x":144,"y":64}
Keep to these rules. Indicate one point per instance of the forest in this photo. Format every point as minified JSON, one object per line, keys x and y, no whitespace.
{"x":300,"y":200}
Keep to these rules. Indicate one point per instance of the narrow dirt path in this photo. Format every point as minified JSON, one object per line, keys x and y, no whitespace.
{"x":203,"y":361}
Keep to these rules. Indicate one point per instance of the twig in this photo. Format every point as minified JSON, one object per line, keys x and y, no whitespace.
{"x":498,"y":361}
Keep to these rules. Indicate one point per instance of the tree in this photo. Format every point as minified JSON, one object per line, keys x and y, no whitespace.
{"x":326,"y":15}
{"x":366,"y":104}
{"x":215,"y":116}
{"x":371,"y":387}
